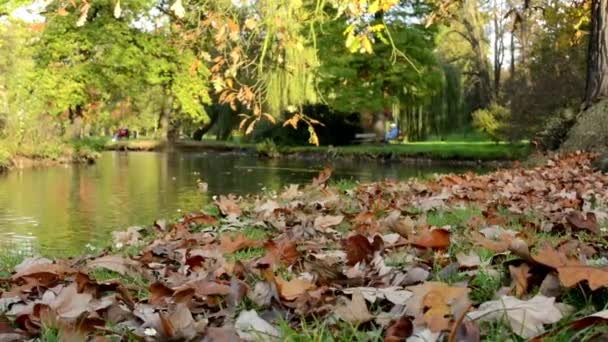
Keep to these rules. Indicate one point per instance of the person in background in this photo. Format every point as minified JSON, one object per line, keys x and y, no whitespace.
{"x":392,"y":133}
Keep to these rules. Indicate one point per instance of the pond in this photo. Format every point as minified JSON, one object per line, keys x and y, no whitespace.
{"x":60,"y":210}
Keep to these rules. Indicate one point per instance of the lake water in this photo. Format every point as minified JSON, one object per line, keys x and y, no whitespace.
{"x":61,"y":209}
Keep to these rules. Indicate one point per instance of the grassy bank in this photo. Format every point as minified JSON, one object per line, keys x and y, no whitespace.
{"x":461,"y":151}
{"x":49,"y":153}
{"x":474,"y":255}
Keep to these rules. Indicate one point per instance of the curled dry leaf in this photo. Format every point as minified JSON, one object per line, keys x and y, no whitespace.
{"x":586,"y":222}
{"x":395,"y":295}
{"x":231,"y":244}
{"x":468,"y":260}
{"x":251,"y":327}
{"x":116,"y":264}
{"x":283,"y":252}
{"x":327,"y":221}
{"x":353,"y":310}
{"x":228,"y":206}
{"x":570,"y":276}
{"x":520,"y":277}
{"x":435,"y":238}
{"x":525,"y":317}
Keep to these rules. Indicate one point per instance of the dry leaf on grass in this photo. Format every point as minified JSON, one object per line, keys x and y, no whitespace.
{"x":69,"y":303}
{"x":580,"y":221}
{"x":228,"y":206}
{"x":395,"y":295}
{"x":251,"y":327}
{"x":116,"y":264}
{"x":431,"y":303}
{"x":328,"y":221}
{"x":436,"y":238}
{"x":570,"y":276}
{"x":359,"y":249}
{"x":353,"y":310}
{"x":468,"y":260}
{"x":294,"y":288}
{"x":520,"y":276}
{"x":240,"y":241}
{"x":282,"y":252}
{"x":525,"y":317}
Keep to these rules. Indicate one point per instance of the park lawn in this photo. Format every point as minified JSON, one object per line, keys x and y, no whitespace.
{"x":440,"y":150}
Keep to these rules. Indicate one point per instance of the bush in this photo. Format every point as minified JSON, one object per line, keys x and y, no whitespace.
{"x":556,"y":130}
{"x":492,"y":121}
{"x":267,"y":148}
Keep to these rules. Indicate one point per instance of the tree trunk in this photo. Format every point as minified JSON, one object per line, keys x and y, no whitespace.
{"x":76,"y":122}
{"x":590,"y":132}
{"x":597,"y":55}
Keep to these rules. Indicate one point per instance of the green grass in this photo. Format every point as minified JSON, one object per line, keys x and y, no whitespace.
{"x":478,"y":150}
{"x":455,"y":217}
{"x":246,"y":254}
{"x":139,"y":284}
{"x":446,"y":150}
{"x":95,"y":144}
{"x":484,"y":287}
{"x":322,"y":332}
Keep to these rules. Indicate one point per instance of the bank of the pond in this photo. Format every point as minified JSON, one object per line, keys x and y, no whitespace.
{"x":511,"y":255}
{"x":458,"y":152}
{"x":21,"y":158}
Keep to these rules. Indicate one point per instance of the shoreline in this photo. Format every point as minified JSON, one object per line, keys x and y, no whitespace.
{"x":20,"y":162}
{"x":461,"y":154}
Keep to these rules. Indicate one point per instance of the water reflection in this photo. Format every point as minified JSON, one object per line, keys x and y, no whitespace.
{"x":62,"y":209}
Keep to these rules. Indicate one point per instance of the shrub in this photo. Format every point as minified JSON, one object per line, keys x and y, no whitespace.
{"x":492,"y":121}
{"x":5,"y":157}
{"x":267,"y":148}
{"x":556,"y":130}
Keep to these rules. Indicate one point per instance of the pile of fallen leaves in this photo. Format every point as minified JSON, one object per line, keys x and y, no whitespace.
{"x":369,"y":258}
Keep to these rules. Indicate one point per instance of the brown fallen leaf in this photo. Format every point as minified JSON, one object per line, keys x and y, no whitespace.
{"x":159,"y":293}
{"x":240,"y":241}
{"x":468,"y":260}
{"x":579,"y":221}
{"x":69,"y":303}
{"x":431,"y":303}
{"x":399,"y":330}
{"x":290,"y":290}
{"x":228,"y":206}
{"x":570,"y":276}
{"x":359,"y":249}
{"x":327,"y":221}
{"x":322,"y":178}
{"x":550,"y":257}
{"x":116,"y":264}
{"x":520,"y":276}
{"x":283,"y":252}
{"x":353,"y":310}
{"x":436,"y":239}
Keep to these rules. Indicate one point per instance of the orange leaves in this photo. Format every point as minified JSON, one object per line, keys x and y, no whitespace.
{"x":231,"y":244}
{"x":283,"y":252}
{"x":570,"y":276}
{"x":290,"y":290}
{"x":432,"y":302}
{"x":435,"y":238}
{"x":571,"y":271}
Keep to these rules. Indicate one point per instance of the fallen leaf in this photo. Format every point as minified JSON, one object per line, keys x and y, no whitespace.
{"x":327,"y":221}
{"x":290,"y":290}
{"x":228,"y":206}
{"x":399,"y":330}
{"x":520,"y":277}
{"x":550,"y":287}
{"x":129,"y":237}
{"x":116,"y":264}
{"x":468,"y":260}
{"x":322,"y":178}
{"x":69,"y":303}
{"x":580,"y":221}
{"x":550,"y":257}
{"x":570,"y":276}
{"x":436,"y":238}
{"x":395,"y":295}
{"x":240,"y":241}
{"x":28,"y":263}
{"x":468,"y":331}
{"x":526,"y":318}
{"x":353,"y":310}
{"x":359,"y":249}
{"x":282,"y":252}
{"x":431,"y":303}
{"x":250,"y":326}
